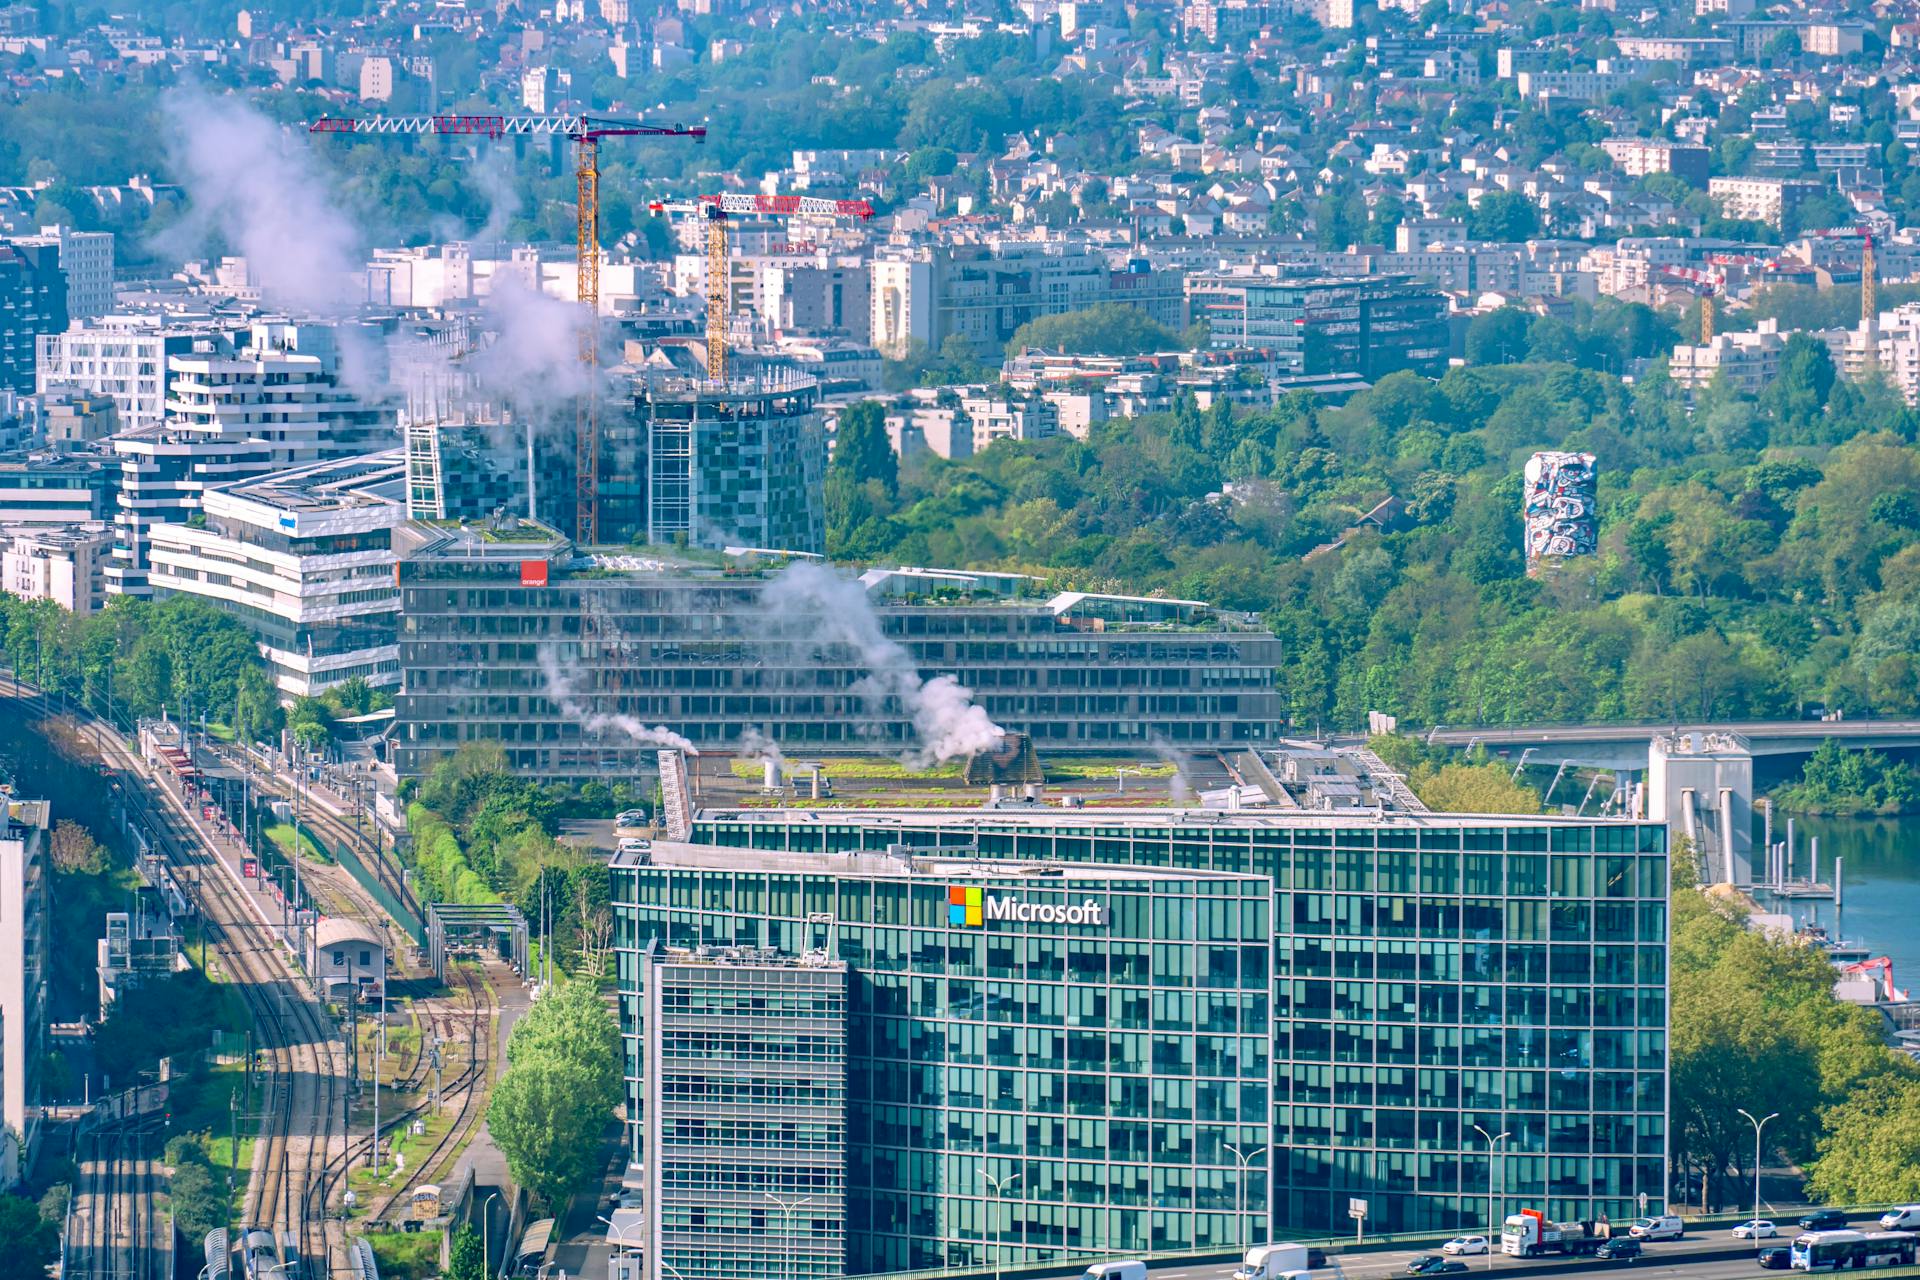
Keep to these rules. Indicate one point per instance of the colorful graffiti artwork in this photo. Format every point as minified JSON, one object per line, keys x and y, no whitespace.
{"x":1559,"y":507}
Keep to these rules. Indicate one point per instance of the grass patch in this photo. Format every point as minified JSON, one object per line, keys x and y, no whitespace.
{"x":282,"y":836}
{"x":406,"y":1255}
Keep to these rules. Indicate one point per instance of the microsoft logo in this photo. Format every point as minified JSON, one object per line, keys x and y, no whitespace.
{"x":971,"y":907}
{"x":964,"y":906}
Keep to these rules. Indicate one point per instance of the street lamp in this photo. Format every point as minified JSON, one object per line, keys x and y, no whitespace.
{"x":786,"y":1236}
{"x":1240,"y":1189}
{"x":620,"y":1233}
{"x":999,"y":1193}
{"x":1493,"y":1168}
{"x":486,"y":1235}
{"x":1758,"y":1125}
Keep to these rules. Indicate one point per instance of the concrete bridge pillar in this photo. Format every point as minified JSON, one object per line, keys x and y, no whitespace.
{"x":1717,"y":768}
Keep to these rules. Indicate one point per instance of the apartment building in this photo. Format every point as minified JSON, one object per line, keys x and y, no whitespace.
{"x":1748,"y":361}
{"x":122,"y":357}
{"x":238,"y":406}
{"x":65,"y":565}
{"x":983,"y":293}
{"x":1639,"y":157}
{"x":1770,"y":200}
{"x":87,"y":259}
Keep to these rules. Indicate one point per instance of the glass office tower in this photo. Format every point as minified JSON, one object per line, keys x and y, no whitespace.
{"x":742,"y":1110}
{"x":1433,"y":976}
{"x":1037,"y":1065}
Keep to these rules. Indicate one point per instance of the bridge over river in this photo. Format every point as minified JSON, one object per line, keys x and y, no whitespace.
{"x":1698,"y":778}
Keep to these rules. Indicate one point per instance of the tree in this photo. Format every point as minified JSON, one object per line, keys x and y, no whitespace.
{"x":861,"y":449}
{"x":74,"y":849}
{"x":257,"y":716}
{"x":1106,"y":328}
{"x":1870,"y":1153}
{"x":562,"y":1082}
{"x":1499,"y":336}
{"x":1503,"y":216}
{"x":465,"y":1259}
{"x":1473,"y":788}
{"x":33,"y":1244}
{"x":547,"y":1116}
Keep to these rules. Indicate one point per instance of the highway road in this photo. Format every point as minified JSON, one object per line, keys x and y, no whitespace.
{"x":1702,"y":1255}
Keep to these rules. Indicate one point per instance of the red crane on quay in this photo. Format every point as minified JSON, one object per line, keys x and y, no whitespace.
{"x":585,"y":133}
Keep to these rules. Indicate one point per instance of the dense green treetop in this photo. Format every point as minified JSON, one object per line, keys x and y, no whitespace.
{"x":1756,"y":555}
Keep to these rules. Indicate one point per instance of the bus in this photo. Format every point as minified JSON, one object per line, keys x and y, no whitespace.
{"x":1847,"y":1250}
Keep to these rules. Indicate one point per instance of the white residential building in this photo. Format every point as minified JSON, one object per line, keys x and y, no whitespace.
{"x":983,"y":293}
{"x":66,"y":566}
{"x":122,"y":357}
{"x":999,"y":417}
{"x":305,"y":559}
{"x":1767,"y":200}
{"x":25,"y":911}
{"x":1748,"y":361}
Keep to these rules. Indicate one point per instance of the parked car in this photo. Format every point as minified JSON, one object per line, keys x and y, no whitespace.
{"x":1620,"y":1249}
{"x":1775,"y":1259}
{"x":1824,"y":1220}
{"x":1755,"y":1229}
{"x":1465,"y":1244}
{"x":630,"y":818}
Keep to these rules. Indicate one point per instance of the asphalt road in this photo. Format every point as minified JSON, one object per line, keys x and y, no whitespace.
{"x":1692,"y":1257}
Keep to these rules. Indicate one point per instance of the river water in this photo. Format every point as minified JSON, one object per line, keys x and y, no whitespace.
{"x":1880,"y":891}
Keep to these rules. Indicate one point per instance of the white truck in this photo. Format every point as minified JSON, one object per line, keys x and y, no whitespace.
{"x":1529,"y":1234}
{"x":1272,"y":1261}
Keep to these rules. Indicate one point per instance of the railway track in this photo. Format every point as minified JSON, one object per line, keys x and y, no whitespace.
{"x":469,"y":1086}
{"x":304,"y":1093}
{"x":120,"y":1227}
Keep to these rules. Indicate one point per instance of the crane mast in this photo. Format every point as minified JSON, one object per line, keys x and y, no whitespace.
{"x":585,"y":133}
{"x":717,"y":211}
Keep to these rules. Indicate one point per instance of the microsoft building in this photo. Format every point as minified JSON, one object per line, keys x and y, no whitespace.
{"x":1104,"y":1031}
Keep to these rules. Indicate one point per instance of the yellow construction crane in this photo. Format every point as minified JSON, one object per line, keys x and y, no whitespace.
{"x":585,"y":132}
{"x":716,"y":210}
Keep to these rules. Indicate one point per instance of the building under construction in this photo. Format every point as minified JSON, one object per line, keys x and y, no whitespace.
{"x":682,"y":461}
{"x":740,"y":462}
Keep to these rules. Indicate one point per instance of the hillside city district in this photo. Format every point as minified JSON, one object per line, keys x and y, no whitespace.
{"x":942,"y":919}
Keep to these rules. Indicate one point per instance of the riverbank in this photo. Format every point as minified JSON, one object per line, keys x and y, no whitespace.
{"x":1840,"y":783}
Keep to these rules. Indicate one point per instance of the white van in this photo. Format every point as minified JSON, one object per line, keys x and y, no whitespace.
{"x":1133,"y":1270}
{"x":1667,"y":1227}
{"x":1272,"y":1261}
{"x":1904,"y":1217}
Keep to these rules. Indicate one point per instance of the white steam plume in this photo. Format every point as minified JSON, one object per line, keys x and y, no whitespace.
{"x":254,"y":186}
{"x":757,"y":743}
{"x":812,"y":603}
{"x":560,"y":693}
{"x":1180,"y":788}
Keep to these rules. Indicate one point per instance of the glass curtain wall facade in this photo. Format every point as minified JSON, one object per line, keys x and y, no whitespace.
{"x":743,"y":1110}
{"x":704,"y":657}
{"x":1016,"y":1089}
{"x":1429,"y":975}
